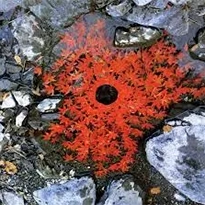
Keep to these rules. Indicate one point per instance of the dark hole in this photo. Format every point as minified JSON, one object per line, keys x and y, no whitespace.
{"x":106,"y":94}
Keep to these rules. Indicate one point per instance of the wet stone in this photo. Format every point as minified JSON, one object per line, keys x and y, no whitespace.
{"x":1,"y":127}
{"x":2,"y":66}
{"x":121,"y":192}
{"x":7,"y":85}
{"x":60,"y":13}
{"x":48,"y":105}
{"x":27,"y":77}
{"x":195,"y":25}
{"x":136,"y":36}
{"x":8,"y":102}
{"x":12,"y":68}
{"x":50,"y":116}
{"x":120,"y":9}
{"x":9,"y":4}
{"x":10,"y":198}
{"x":15,"y":76}
{"x":22,"y":98}
{"x":4,"y":138}
{"x":29,"y":35}
{"x":75,"y":191}
{"x":178,"y":2}
{"x":6,"y":40}
{"x":198,"y":50}
{"x":179,"y":155}
{"x":161,"y":4}
{"x":21,"y":117}
{"x":142,"y":2}
{"x":174,"y":19}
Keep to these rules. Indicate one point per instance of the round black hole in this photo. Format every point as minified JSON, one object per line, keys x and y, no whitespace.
{"x":106,"y":94}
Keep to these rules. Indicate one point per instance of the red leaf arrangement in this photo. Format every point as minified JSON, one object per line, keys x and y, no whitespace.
{"x":111,"y":96}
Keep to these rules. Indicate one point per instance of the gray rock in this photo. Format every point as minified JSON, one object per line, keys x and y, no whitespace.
{"x":198,"y":50}
{"x":1,"y":128}
{"x":12,"y":68}
{"x":4,"y":138}
{"x":195,"y":119}
{"x":10,"y":198}
{"x":2,"y":66}
{"x":195,"y":24}
{"x":179,"y":156}
{"x":2,"y":116}
{"x":48,"y":105}
{"x":15,"y":76}
{"x":27,"y":77}
{"x":1,"y":141}
{"x":178,"y":2}
{"x":138,"y":36}
{"x":50,"y":116}
{"x":142,"y":2}
{"x":60,"y":13}
{"x":22,"y":98}
{"x":74,"y":192}
{"x":174,"y":20}
{"x":7,"y":85}
{"x":161,"y":4}
{"x":200,"y":9}
{"x":21,"y":117}
{"x":6,"y":40}
{"x":8,"y":102}
{"x":9,"y":4}
{"x":122,"y":192}
{"x":120,"y":9}
{"x":29,"y":35}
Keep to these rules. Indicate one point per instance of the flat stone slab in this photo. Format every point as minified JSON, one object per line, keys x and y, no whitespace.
{"x":179,"y":155}
{"x":122,"y":192}
{"x":74,"y":192}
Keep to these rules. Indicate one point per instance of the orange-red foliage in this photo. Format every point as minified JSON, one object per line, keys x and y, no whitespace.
{"x":148,"y":82}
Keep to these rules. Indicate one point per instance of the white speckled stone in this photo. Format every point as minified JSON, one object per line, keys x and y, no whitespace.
{"x":74,"y":192}
{"x":179,"y":156}
{"x":9,"y":198}
{"x":142,"y":2}
{"x":48,"y":105}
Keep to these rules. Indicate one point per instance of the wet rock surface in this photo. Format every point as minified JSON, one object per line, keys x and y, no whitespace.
{"x":179,"y":154}
{"x":198,"y":50}
{"x":173,"y":18}
{"x":33,"y":172}
{"x":119,"y":9}
{"x":47,"y":105}
{"x":122,"y":191}
{"x":75,"y":191}
{"x":142,"y":2}
{"x":136,"y":36}
{"x":60,"y":13}
{"x":29,"y":34}
{"x":11,"y":198}
{"x":7,"y":85}
{"x":10,"y":4}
